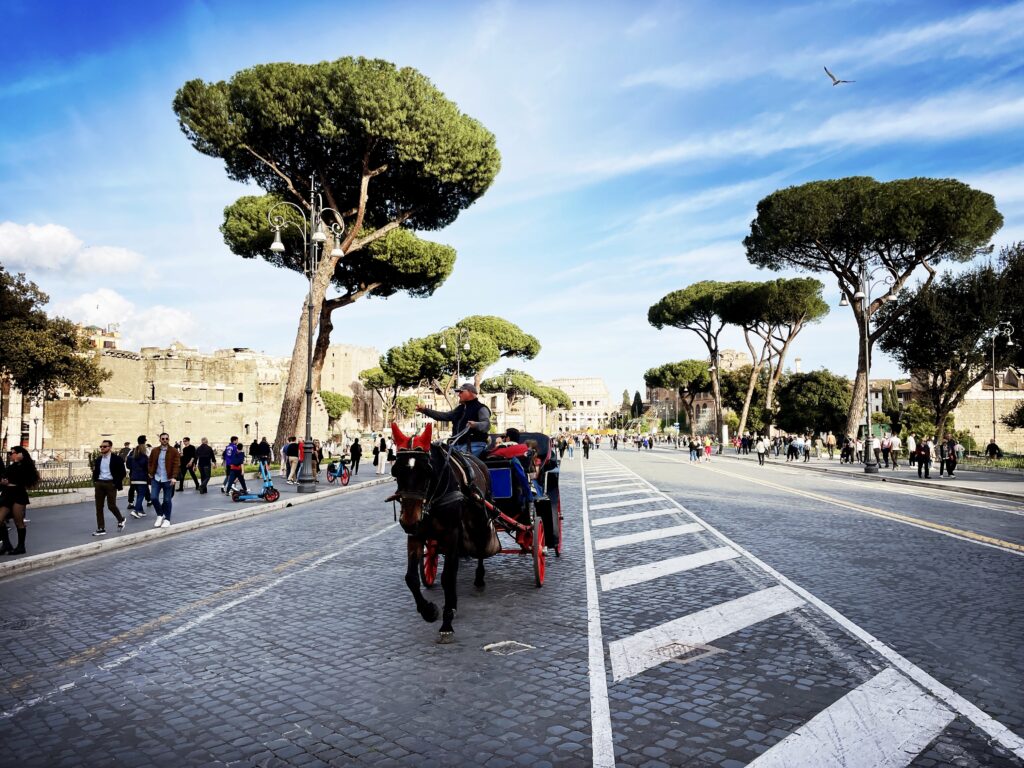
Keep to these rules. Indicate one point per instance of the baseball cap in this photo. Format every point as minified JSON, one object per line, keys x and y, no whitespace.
{"x":467,"y":387}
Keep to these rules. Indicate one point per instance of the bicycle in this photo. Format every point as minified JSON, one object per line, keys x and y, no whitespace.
{"x":342,"y":474}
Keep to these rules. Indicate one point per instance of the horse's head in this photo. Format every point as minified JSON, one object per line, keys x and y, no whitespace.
{"x":414,"y":472}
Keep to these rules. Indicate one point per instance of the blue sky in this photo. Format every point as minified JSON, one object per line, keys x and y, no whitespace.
{"x":636,"y":140}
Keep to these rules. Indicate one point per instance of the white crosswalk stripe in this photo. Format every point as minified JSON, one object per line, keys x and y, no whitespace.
{"x":638,"y":574}
{"x":632,"y":655}
{"x":634,"y":516}
{"x":635,"y":538}
{"x":614,"y":504}
{"x":884,"y":723}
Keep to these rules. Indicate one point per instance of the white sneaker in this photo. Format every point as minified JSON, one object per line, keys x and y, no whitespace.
{"x":159,"y":521}
{"x":166,"y":523}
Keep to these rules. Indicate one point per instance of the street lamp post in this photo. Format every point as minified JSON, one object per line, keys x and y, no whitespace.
{"x":313,"y":235}
{"x":1001,"y":329}
{"x":461,"y":344}
{"x":863,"y":295}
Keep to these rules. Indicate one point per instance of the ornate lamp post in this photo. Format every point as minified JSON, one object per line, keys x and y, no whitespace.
{"x":461,"y":345}
{"x":1001,"y":329}
{"x":863,"y":295}
{"x":315,"y":225}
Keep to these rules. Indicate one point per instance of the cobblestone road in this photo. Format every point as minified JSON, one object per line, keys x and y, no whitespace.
{"x":778,"y":624}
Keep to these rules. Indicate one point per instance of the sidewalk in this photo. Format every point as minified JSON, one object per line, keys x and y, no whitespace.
{"x":64,"y":532}
{"x":998,"y":485}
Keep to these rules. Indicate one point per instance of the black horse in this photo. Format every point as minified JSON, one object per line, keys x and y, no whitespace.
{"x":440,"y":491}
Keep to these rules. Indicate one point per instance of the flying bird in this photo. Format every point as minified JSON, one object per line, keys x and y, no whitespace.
{"x":836,"y":80}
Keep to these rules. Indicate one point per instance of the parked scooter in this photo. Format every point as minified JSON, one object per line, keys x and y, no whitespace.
{"x":269,"y":492}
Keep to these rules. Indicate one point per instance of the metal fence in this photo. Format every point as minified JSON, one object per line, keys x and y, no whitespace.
{"x":61,"y":477}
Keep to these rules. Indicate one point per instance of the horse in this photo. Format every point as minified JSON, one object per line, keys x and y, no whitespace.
{"x":440,"y":492}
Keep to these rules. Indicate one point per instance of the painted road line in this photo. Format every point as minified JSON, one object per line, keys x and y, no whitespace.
{"x":638,"y":574}
{"x":631,"y":502}
{"x":633,"y":516}
{"x":616,"y":493}
{"x":603,"y":747}
{"x":612,"y":484}
{"x":946,"y":530}
{"x":884,"y":723}
{"x":635,"y":538}
{"x":644,"y":650}
{"x":984,"y":721}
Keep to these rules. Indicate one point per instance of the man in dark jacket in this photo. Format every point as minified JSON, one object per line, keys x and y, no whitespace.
{"x":262,"y":451}
{"x":188,"y":463}
{"x":254,"y":449}
{"x":470,"y":415}
{"x":205,"y":459}
{"x":107,"y":478}
{"x":356,"y":452}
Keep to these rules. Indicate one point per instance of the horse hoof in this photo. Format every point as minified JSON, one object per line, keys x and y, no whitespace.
{"x":444,"y":638}
{"x":430,"y":613}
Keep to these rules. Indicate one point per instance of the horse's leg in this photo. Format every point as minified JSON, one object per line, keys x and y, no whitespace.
{"x":424,"y":607}
{"x":448,"y":582}
{"x":478,"y":582}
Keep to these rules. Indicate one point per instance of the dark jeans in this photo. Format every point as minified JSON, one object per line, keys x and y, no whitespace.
{"x":162,"y":493}
{"x":238,"y":474}
{"x":925,"y":466}
{"x":106,"y":491}
{"x":355,"y":464}
{"x":181,"y":477}
{"x":136,"y":491}
{"x":760,"y":459}
{"x":204,"y":473}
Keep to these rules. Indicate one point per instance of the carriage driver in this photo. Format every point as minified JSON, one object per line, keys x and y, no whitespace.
{"x":470,"y":412}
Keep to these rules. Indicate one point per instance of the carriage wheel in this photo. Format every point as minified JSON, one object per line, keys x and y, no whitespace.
{"x":428,"y":569}
{"x":345,"y":475}
{"x":538,"y":550}
{"x":272,"y":495}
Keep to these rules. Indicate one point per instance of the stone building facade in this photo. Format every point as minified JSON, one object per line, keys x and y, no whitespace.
{"x":591,"y":405}
{"x":975,"y":412}
{"x":184,"y":392}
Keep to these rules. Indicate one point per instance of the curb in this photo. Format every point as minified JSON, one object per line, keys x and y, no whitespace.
{"x":900,"y":481}
{"x":47,"y":559}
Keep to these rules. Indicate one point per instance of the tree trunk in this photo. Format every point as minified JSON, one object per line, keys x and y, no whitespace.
{"x":293,"y":403}
{"x":323,"y":341}
{"x":860,"y":389}
{"x":755,"y":371}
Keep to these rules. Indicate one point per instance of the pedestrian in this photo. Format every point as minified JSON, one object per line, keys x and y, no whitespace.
{"x":234,"y":460}
{"x":895,"y":446}
{"x":205,"y":460}
{"x":264,"y":453}
{"x":188,"y":463}
{"x":762,"y":448}
{"x":108,"y":473}
{"x":138,"y":478}
{"x":125,"y":450}
{"x":830,"y":443}
{"x":924,"y":458}
{"x":992,"y":451}
{"x":875,"y":447}
{"x":254,"y":448}
{"x":164,"y":463}
{"x":318,"y":459}
{"x":886,"y":449}
{"x":356,"y":452}
{"x":950,"y":446}
{"x":19,"y":477}
{"x":586,"y":446}
{"x":912,"y":449}
{"x":294,"y":451}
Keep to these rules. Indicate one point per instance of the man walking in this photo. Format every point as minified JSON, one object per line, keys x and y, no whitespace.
{"x":263,"y":453}
{"x":895,"y":446}
{"x":107,"y":478}
{"x":164,"y":464}
{"x":924,"y":458}
{"x":188,"y":463}
{"x":586,"y":446}
{"x":356,"y":452}
{"x":234,"y":460}
{"x":291,"y":450}
{"x":205,"y":459}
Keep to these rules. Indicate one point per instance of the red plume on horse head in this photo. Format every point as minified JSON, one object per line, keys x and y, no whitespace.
{"x":419,"y":442}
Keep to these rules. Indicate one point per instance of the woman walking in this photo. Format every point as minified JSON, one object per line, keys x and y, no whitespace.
{"x":762,"y":449}
{"x":21,"y":475}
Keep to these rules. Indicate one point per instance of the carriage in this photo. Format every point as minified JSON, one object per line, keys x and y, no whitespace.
{"x":525,"y":502}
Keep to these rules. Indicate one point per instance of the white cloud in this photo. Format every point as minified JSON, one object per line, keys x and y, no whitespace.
{"x":944,"y":117}
{"x":39,"y":248}
{"x":139,"y":326}
{"x":982,"y":34}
